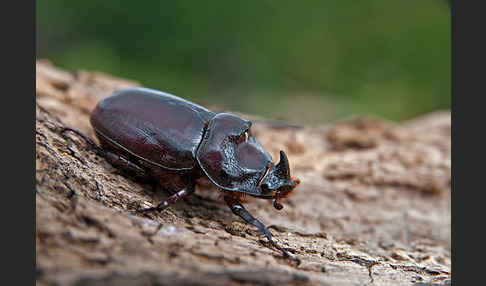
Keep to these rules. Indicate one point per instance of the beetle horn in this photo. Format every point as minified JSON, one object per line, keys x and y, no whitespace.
{"x":279,"y":179}
{"x":282,"y":167}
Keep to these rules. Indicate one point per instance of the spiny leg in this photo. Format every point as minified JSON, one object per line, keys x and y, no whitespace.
{"x":127,"y":167}
{"x":117,"y":160}
{"x":171,"y":199}
{"x":85,"y":138}
{"x":158,"y":188}
{"x":238,"y":209}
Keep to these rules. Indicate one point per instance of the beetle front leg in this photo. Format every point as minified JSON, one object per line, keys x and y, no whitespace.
{"x":238,"y":209}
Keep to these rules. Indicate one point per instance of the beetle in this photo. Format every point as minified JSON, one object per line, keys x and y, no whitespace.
{"x":154,"y":135}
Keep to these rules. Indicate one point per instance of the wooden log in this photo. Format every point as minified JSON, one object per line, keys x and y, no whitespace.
{"x":373,"y":206}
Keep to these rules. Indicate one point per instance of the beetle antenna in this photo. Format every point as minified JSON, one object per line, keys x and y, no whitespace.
{"x":276,"y":202}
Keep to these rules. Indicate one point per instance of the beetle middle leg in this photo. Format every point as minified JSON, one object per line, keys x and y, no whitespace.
{"x":238,"y":209}
{"x":172,"y":199}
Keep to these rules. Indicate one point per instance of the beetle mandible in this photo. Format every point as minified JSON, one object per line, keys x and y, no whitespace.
{"x":157,"y":136}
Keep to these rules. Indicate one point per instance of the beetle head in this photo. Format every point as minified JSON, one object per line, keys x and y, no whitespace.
{"x":278,"y":179}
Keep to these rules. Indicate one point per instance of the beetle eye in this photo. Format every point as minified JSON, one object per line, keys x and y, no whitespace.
{"x":265,"y":188}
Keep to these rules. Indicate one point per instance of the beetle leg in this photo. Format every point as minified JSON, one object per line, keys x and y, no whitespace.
{"x":186,"y":199}
{"x":117,"y":160}
{"x":238,"y":209}
{"x":171,"y":200}
{"x":85,"y":138}
{"x":125,"y":165}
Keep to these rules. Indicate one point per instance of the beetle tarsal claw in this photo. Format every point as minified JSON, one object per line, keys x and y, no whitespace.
{"x":285,"y":253}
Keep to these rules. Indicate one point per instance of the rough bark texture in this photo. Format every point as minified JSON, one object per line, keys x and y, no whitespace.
{"x":373,"y":206}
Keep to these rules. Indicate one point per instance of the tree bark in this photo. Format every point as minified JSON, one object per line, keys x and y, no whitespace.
{"x":373,"y":206}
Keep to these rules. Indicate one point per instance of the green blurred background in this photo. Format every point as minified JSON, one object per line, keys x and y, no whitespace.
{"x":307,"y":62}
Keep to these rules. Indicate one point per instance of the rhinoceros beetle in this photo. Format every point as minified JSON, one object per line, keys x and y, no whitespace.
{"x":157,"y":136}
